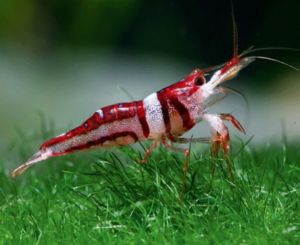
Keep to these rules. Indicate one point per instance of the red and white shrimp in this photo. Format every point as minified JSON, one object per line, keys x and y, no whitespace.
{"x":163,"y":116}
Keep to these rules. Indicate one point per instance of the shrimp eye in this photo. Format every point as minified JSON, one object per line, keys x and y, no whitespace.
{"x":200,"y":80}
{"x":86,"y":125}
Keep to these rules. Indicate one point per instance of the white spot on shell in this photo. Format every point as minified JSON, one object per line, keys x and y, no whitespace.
{"x":100,"y":112}
{"x":154,"y":115}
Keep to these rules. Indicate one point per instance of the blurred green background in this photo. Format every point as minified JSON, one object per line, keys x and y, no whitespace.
{"x":180,"y":29}
{"x":65,"y":59}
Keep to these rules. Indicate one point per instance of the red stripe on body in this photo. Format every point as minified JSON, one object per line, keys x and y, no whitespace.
{"x":142,"y":118}
{"x":110,"y":114}
{"x":170,"y":95}
{"x":102,"y":140}
{"x":187,"y":121}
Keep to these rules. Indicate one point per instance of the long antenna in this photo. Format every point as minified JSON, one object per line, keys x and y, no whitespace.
{"x":252,"y":49}
{"x":234,"y":31}
{"x":275,"y":60}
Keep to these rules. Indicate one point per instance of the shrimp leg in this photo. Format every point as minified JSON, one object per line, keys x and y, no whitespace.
{"x":220,"y":137}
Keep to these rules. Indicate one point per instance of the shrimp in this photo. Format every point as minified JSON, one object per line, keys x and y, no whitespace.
{"x":162,"y":117}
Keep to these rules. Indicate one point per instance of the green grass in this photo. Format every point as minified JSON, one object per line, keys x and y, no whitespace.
{"x":105,"y":197}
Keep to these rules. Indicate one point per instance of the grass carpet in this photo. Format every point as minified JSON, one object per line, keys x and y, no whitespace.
{"x":106,"y":197}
